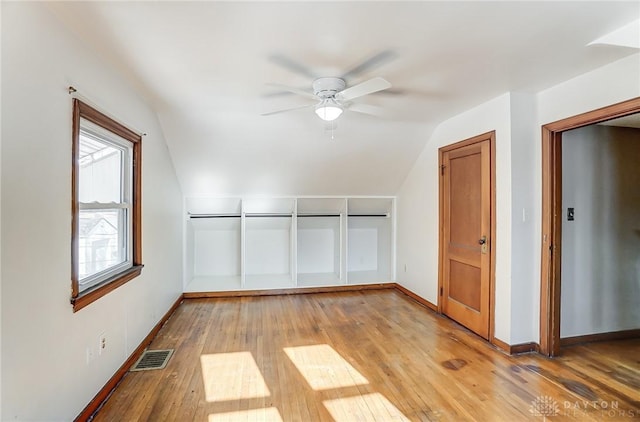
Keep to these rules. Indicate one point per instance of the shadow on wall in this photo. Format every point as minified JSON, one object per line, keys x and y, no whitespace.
{"x":625,"y":151}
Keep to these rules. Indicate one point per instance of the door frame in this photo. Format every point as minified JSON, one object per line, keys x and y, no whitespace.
{"x":551,"y":240}
{"x":491,"y":137}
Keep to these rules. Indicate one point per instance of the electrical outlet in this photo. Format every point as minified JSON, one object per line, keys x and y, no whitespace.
{"x":102,"y":343}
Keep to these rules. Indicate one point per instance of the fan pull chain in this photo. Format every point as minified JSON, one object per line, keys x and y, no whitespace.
{"x":331,"y":129}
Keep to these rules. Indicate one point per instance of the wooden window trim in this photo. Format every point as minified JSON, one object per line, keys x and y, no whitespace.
{"x":84,"y":111}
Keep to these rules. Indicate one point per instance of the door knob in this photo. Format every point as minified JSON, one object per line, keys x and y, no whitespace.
{"x":483,"y":240}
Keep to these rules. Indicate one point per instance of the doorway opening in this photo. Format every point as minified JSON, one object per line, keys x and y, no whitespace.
{"x":553,"y":215}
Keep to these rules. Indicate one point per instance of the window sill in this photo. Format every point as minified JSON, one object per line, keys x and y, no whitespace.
{"x":110,"y":284}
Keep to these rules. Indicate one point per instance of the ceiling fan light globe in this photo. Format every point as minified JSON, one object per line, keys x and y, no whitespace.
{"x":328,"y":112}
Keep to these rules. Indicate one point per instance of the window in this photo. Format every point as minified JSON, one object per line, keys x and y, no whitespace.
{"x":106,"y":224}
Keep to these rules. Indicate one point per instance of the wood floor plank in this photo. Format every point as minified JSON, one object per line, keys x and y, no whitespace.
{"x":372,"y":355}
{"x":606,"y":367}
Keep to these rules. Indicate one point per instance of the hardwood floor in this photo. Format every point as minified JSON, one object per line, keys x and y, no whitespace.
{"x":370,"y":355}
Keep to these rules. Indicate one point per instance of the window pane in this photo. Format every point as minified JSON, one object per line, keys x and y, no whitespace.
{"x":101,"y":242}
{"x":100,"y":171}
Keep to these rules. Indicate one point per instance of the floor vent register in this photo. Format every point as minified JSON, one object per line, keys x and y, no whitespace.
{"x":152,"y":359}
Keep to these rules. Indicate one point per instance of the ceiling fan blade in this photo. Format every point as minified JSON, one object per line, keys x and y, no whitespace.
{"x":292,"y":65}
{"x":364,"y":88}
{"x":393,"y":91}
{"x":295,"y":91}
{"x":367,"y":109}
{"x":287,"y":109}
{"x":370,"y":63}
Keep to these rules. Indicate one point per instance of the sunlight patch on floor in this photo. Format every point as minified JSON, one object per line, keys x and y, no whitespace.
{"x":368,"y":407}
{"x":270,"y":414}
{"x":232,"y":376}
{"x":323,"y":367}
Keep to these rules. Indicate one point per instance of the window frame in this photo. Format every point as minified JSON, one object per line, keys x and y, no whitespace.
{"x":125,"y":148}
{"x":81,"y":299}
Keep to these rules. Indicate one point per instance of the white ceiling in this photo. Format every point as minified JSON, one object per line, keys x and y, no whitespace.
{"x":204,"y":67}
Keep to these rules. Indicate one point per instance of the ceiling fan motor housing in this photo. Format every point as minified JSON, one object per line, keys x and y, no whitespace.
{"x":328,"y":87}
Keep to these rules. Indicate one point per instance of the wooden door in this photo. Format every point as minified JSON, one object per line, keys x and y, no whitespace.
{"x":466,"y":200}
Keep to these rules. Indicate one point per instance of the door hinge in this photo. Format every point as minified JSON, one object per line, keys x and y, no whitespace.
{"x":442,"y":167}
{"x":440,"y":291}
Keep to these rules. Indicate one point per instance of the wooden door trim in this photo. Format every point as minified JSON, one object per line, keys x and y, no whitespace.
{"x":491,"y":137}
{"x":551,"y":240}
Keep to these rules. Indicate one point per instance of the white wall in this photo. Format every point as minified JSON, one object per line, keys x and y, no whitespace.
{"x":268,"y":245}
{"x":601,"y":247}
{"x":524,"y":256}
{"x":188,"y":254}
{"x":217,"y":252}
{"x":369,"y":247}
{"x":362,"y":249}
{"x":216,"y":246}
{"x":318,"y":245}
{"x":417,"y":221}
{"x":610,"y":84}
{"x":517,"y":119}
{"x":45,"y":371}
{"x":0,"y":220}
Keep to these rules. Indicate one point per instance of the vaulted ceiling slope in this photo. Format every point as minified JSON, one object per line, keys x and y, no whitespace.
{"x":204,"y":67}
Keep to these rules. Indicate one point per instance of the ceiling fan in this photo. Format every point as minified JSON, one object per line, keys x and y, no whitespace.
{"x":331,"y":94}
